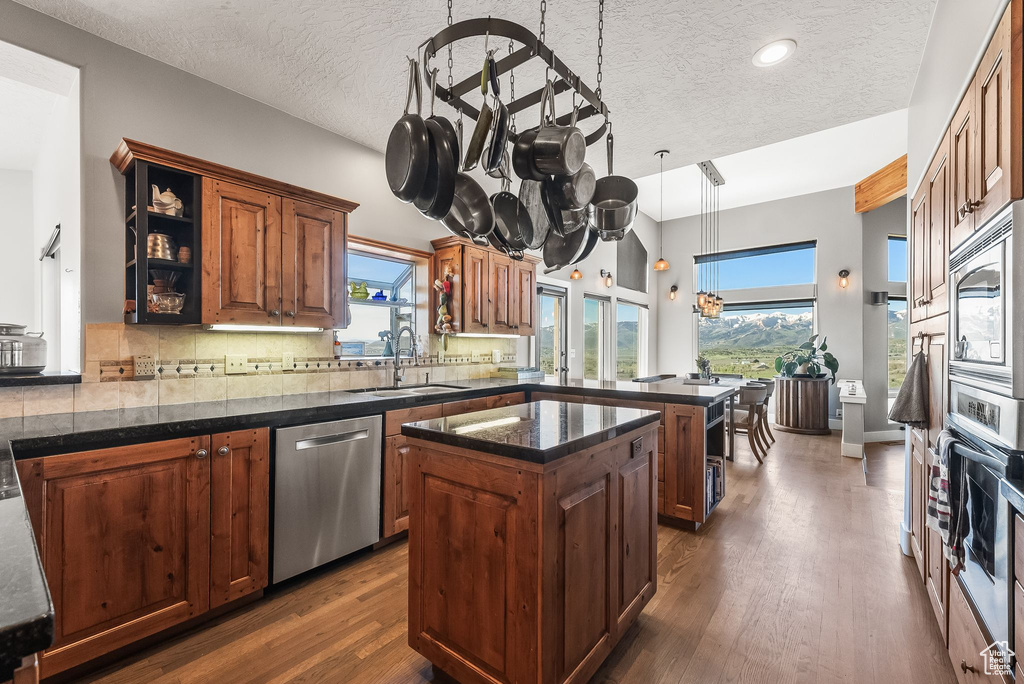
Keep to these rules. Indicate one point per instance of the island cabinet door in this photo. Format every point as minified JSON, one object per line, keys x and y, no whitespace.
{"x":241,"y":255}
{"x":473,"y":565}
{"x":313,"y":281}
{"x":126,"y":543}
{"x":239,"y":514}
{"x":684,"y":462}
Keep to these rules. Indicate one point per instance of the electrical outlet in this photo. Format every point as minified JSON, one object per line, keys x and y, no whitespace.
{"x":145,"y":366}
{"x":440,"y":356}
{"x":495,"y":356}
{"x":572,"y":352}
{"x":288,"y":361}
{"x":475,"y":357}
{"x":235,"y":364}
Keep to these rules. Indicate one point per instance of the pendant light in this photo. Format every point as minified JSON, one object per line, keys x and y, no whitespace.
{"x":709,"y":304}
{"x":661,"y":264}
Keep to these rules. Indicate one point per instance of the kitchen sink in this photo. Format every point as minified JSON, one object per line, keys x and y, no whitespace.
{"x":406,"y":391}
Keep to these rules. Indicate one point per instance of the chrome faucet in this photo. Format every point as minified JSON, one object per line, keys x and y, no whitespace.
{"x":397,"y":342}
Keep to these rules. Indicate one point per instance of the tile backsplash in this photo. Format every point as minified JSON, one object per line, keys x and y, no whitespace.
{"x":190,"y":368}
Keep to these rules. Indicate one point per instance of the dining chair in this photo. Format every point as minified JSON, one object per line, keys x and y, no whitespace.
{"x":749,"y":406}
{"x":766,"y":422}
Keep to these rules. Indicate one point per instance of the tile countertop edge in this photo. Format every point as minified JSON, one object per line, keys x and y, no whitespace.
{"x":26,"y":613}
{"x":531,"y":454}
{"x":44,"y":378}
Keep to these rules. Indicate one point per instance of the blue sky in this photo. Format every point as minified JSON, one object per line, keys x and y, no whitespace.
{"x":897,"y":260}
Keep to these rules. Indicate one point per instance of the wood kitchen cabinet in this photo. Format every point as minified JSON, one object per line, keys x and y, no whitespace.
{"x":491,"y":293}
{"x":271,"y":253}
{"x":963,"y":169}
{"x":929,"y":239}
{"x":136,"y":539}
{"x":313,"y":283}
{"x":396,"y":491}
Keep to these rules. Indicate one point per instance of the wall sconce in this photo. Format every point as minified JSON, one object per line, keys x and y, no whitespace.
{"x":607,"y":275}
{"x":844,"y":278}
{"x":575,"y":275}
{"x":672,"y":292}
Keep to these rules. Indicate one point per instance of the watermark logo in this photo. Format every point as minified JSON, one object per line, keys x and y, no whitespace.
{"x":997,"y":657}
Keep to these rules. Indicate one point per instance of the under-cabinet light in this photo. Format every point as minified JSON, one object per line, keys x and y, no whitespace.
{"x":232,"y":327}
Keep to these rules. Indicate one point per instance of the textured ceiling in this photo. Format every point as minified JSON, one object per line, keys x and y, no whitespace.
{"x":30,"y":87}
{"x":678,"y":72}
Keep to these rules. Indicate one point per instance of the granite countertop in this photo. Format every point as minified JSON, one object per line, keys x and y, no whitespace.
{"x":44,"y":378}
{"x":538,"y":432}
{"x":26,"y":612}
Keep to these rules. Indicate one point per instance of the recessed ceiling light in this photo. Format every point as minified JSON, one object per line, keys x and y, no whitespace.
{"x":773,"y":53}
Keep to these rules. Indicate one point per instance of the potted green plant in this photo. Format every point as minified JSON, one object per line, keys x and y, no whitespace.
{"x":807,"y":359}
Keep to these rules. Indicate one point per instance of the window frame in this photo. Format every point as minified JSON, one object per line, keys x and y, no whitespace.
{"x":642,"y":337}
{"x":746,"y":253}
{"x":562,"y":342}
{"x":605,"y":337}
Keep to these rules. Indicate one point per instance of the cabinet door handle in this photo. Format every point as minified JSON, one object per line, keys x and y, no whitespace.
{"x":965,"y":668}
{"x":202,"y":453}
{"x":274,"y":313}
{"x":289,"y":314}
{"x":223,"y":451}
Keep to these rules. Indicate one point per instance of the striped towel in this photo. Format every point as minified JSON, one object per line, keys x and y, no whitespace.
{"x":946,"y":500}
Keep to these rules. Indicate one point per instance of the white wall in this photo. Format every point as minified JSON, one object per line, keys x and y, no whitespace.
{"x":201,"y":119}
{"x":879,"y":224}
{"x":18,"y":278}
{"x":960,"y":29}
{"x":604,"y":256}
{"x":827,"y":217}
{"x":57,"y":199}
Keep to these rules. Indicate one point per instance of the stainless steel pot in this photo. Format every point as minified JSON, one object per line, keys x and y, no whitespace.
{"x":557,"y":150}
{"x":21,"y":352}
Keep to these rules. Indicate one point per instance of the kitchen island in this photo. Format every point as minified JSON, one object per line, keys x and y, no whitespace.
{"x":532,"y":538}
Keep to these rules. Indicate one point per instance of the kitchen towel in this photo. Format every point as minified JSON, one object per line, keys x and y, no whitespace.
{"x":911,"y":405}
{"x":946,"y":512}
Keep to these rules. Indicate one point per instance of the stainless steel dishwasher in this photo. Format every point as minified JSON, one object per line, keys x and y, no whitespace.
{"x":327,"y":493}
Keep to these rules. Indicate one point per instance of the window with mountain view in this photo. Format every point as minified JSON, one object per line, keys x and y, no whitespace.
{"x":630,"y":341}
{"x":774,"y":266}
{"x":745,"y":339}
{"x":595,"y":335}
{"x":897,"y":330}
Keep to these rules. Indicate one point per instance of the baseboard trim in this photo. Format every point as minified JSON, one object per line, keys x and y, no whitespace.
{"x":895,"y":435}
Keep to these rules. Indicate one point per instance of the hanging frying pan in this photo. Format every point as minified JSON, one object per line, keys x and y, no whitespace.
{"x":408,"y":150}
{"x":435,"y":199}
{"x":454,"y":136}
{"x":531,"y":194}
{"x":511,"y":221}
{"x":560,"y":251}
{"x":592,"y":239}
{"x":483,"y":122}
{"x":471,"y":208}
{"x":499,"y":128}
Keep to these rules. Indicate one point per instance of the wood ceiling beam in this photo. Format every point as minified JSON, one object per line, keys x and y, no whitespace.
{"x":881,"y":187}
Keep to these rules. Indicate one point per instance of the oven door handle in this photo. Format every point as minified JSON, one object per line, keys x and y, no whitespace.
{"x":981,"y":458}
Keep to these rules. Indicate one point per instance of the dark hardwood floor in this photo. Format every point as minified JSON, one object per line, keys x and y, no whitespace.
{"x":798,"y":577}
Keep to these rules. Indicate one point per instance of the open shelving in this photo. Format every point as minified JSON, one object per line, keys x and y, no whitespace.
{"x":185,"y":230}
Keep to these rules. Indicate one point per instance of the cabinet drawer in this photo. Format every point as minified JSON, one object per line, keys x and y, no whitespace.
{"x":455,"y":408}
{"x":966,"y":642}
{"x":1018,"y":546}
{"x":394,"y":419}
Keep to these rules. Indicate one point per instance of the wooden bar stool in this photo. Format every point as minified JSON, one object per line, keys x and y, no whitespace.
{"x":766,"y":423}
{"x":749,"y":406}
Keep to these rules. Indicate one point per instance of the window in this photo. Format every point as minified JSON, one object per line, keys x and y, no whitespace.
{"x":746,"y":338}
{"x":630,"y":340}
{"x":595,"y":337}
{"x":897,"y":328}
{"x":550,"y":340}
{"x":387,"y":305}
{"x":897,"y":259}
{"x":791,"y":264}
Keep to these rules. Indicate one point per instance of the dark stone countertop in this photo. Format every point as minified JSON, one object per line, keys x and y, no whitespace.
{"x":26,"y":612}
{"x":44,"y":378}
{"x":538,"y":432}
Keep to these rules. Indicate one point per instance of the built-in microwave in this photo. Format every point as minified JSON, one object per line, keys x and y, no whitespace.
{"x":984,"y":325}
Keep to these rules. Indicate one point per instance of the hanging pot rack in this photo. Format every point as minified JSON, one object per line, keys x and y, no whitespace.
{"x":531,"y":47}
